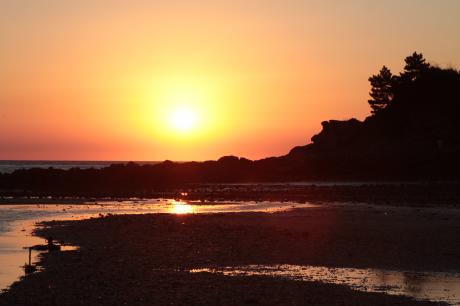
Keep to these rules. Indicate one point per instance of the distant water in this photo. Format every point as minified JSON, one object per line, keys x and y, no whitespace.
{"x":8,"y":166}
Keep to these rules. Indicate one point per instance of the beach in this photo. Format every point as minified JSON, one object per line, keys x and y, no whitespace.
{"x":147,"y":259}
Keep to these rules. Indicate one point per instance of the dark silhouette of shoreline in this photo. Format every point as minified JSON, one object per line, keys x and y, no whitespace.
{"x":412,"y":134}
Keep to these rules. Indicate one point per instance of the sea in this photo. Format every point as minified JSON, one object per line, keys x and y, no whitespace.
{"x":9,"y":166}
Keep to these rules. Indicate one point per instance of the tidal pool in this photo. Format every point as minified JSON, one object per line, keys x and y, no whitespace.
{"x":432,"y":286}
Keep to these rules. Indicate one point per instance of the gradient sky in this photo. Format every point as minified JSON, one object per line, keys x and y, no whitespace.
{"x":98,"y":80}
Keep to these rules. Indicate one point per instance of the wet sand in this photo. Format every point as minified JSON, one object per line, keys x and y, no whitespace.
{"x":143,"y":259}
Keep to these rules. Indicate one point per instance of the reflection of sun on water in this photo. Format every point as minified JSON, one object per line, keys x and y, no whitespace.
{"x":181,"y":208}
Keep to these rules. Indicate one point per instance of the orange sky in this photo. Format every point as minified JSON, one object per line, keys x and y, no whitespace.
{"x":101,"y":80}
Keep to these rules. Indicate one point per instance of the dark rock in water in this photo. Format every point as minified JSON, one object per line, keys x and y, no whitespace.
{"x":45,"y":247}
{"x":50,"y":246}
{"x":28,"y":269}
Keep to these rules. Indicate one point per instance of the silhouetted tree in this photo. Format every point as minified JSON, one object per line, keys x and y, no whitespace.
{"x":415,"y":65}
{"x":382,"y":89}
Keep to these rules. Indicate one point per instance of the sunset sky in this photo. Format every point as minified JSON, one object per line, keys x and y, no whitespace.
{"x":196,"y":80}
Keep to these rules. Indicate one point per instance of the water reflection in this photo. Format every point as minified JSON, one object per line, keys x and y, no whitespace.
{"x":180,"y":208}
{"x":433,"y":286}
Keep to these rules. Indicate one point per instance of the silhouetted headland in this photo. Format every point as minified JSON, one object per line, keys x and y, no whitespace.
{"x":412,"y":134}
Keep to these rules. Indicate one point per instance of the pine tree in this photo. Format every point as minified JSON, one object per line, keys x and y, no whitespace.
{"x":382,"y":86}
{"x":415,"y":65}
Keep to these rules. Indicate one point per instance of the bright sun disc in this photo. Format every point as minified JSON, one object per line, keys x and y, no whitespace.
{"x":183,"y":119}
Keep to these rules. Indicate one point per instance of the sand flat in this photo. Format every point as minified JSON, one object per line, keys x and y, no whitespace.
{"x":143,"y":259}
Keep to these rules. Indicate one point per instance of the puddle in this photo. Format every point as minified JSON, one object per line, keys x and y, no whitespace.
{"x":65,"y":248}
{"x":432,"y":286}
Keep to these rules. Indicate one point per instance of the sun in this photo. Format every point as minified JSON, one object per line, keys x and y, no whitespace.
{"x":183,"y":118}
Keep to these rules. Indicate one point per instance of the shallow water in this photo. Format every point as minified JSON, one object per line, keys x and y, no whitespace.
{"x":432,"y":286}
{"x":18,"y":221}
{"x":8,"y":166}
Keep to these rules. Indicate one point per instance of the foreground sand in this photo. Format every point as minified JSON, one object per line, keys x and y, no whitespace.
{"x":140,"y":260}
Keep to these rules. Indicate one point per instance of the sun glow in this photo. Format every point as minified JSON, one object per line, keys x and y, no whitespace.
{"x":184,"y":113}
{"x":183,"y":118}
